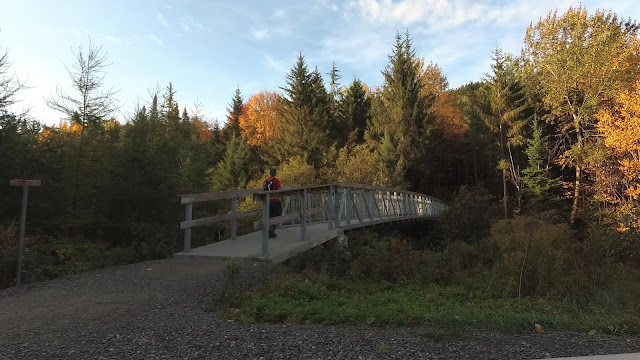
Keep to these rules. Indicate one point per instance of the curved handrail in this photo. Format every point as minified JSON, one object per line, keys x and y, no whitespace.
{"x":340,"y":202}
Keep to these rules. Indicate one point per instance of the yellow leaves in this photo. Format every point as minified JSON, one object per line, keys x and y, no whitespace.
{"x":70,"y":129}
{"x":449,"y":117}
{"x":45,"y":134}
{"x":620,"y":129}
{"x":64,"y":129}
{"x":259,"y":120}
{"x":433,"y":81}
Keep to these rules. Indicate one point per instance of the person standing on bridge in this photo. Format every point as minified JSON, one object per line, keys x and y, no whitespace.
{"x":275,"y":205}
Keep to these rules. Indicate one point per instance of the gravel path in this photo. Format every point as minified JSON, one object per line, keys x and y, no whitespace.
{"x":158,"y":310}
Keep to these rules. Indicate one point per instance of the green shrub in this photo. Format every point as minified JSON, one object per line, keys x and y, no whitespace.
{"x":460,"y":263}
{"x":540,"y":258}
{"x":328,"y":259}
{"x":468,"y":217}
{"x":153,"y":241}
{"x":385,"y":258}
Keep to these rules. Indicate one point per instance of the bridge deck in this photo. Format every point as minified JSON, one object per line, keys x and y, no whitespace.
{"x":281,"y":248}
{"x":287,"y":244}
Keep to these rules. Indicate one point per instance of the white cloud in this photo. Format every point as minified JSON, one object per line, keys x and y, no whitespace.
{"x":279,"y":13}
{"x":81,"y":33}
{"x":162,"y":21}
{"x":358,"y":46}
{"x":111,"y":38}
{"x":259,"y":34}
{"x":156,"y":40}
{"x":440,"y":15}
{"x":187,"y":23}
{"x":274,"y":64}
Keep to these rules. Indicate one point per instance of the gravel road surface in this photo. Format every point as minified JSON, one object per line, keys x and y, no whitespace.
{"x":161,"y":310}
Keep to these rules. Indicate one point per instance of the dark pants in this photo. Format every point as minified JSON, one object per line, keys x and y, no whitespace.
{"x":275,"y":209}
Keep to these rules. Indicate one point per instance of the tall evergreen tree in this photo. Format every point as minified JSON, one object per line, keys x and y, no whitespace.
{"x":398,"y":112}
{"x":355,"y":106}
{"x":539,"y":187}
{"x":305,"y":116}
{"x":232,"y":128}
{"x":505,"y":117}
{"x":233,"y":170}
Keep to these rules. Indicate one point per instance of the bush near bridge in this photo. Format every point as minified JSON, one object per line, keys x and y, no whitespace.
{"x":529,"y":270}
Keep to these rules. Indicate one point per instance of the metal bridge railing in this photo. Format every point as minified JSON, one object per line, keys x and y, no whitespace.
{"x":341,"y":205}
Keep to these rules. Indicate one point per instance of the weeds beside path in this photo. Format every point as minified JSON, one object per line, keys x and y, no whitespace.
{"x":164,"y":313}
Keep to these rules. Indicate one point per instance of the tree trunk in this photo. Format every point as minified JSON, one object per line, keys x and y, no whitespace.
{"x":505,"y":198}
{"x":576,"y":196}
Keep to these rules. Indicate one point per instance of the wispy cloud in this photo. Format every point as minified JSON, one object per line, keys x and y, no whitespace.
{"x":444,"y":14}
{"x":359,"y":46}
{"x":111,"y":38}
{"x":259,"y":34}
{"x":162,"y":21}
{"x":274,"y":64}
{"x":80,"y":33}
{"x":329,"y":5}
{"x":188,"y":23}
{"x":279,"y":13}
{"x":155,"y":39}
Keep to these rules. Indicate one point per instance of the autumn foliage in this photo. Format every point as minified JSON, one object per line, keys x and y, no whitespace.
{"x":259,"y":118}
{"x":620,"y":130}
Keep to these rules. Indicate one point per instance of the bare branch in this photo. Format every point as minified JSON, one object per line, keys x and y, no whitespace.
{"x":87,"y":74}
{"x":9,"y":82}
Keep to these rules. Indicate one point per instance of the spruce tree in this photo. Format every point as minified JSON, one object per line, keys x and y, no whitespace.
{"x":355,"y":107}
{"x":233,"y":170}
{"x":398,"y":112}
{"x":232,"y":128}
{"x":505,"y":116}
{"x":303,"y":131}
{"x":539,"y":187}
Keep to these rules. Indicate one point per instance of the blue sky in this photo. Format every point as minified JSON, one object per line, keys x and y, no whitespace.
{"x":208,"y":48}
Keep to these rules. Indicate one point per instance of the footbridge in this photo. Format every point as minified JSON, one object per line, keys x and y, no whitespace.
{"x":311,"y":216}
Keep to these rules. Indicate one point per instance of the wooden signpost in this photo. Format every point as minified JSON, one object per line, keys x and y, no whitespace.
{"x":23,"y":218}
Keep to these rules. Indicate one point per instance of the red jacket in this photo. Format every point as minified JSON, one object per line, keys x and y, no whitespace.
{"x":276,"y":186}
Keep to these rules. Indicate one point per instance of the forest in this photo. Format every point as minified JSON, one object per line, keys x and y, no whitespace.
{"x":551,"y":135}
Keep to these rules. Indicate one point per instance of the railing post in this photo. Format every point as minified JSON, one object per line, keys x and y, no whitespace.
{"x":234,"y":221}
{"x":347,"y":205}
{"x":330,"y":208}
{"x":23,"y":220}
{"x":188,"y":216}
{"x":303,"y":216}
{"x":265,"y":225}
{"x":390,"y":205}
{"x":414,"y":205}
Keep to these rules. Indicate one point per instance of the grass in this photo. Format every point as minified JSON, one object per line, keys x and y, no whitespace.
{"x":442,"y":310}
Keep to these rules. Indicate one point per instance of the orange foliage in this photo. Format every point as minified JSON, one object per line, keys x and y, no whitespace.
{"x":259,"y":120}
{"x":620,"y":128}
{"x":204,"y":130}
{"x":449,"y":117}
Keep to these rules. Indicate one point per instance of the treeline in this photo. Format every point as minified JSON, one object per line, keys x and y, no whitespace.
{"x":553,"y":128}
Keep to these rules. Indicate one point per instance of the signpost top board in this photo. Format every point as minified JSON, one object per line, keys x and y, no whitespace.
{"x":23,"y":182}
